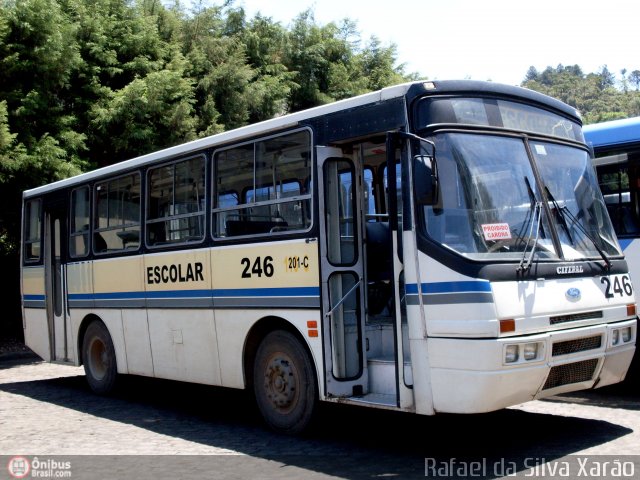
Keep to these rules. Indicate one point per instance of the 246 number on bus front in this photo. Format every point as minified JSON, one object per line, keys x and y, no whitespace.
{"x":620,"y":286}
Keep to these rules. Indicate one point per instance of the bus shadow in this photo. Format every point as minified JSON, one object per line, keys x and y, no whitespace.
{"x":610,"y":397}
{"x":345,"y":441}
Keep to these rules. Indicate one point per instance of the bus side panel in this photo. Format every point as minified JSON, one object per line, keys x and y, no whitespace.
{"x":631,"y":250}
{"x":136,"y":337}
{"x":182,"y":327}
{"x":277,"y":279}
{"x":452,"y":305}
{"x":443,"y":293}
{"x":36,"y":335}
{"x":80,"y":300}
{"x":118,"y":286}
{"x":234,"y":325}
{"x":36,"y":330}
{"x":183,"y":344}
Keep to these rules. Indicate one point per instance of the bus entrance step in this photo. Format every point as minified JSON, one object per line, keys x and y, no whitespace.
{"x":376,"y":399}
{"x":382,"y":374}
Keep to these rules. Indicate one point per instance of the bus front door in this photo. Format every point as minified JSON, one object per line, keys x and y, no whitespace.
{"x":342,"y":273}
{"x":56,"y":299}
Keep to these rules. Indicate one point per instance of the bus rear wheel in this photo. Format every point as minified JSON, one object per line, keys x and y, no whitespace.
{"x":284,"y":383}
{"x":99,"y":358}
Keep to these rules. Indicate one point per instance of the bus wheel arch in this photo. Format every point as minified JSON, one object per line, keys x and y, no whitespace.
{"x":82,"y":330}
{"x":97,"y":354}
{"x":280,"y":370}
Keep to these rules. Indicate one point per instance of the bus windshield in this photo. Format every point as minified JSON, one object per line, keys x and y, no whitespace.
{"x":492,"y":207}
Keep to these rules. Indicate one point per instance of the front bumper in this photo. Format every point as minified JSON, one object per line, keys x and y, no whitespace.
{"x":471,"y":375}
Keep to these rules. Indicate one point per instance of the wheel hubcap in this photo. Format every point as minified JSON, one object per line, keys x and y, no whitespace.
{"x":98,"y":359}
{"x":280,"y":383}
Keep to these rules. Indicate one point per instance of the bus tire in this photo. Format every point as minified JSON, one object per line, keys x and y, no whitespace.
{"x":284,"y":383}
{"x":99,"y":358}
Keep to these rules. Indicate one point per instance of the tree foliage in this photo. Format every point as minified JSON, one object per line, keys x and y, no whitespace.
{"x":598,"y":96}
{"x":87,"y":83}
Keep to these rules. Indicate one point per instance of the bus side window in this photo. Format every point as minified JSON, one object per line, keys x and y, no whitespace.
{"x":79,"y":234}
{"x":270,"y":176}
{"x":619,"y":187}
{"x":32,"y":227}
{"x":116,"y":225}
{"x":176,"y":203}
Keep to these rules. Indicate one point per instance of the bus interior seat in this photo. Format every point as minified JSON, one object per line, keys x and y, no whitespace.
{"x":157,"y":233}
{"x":99,"y":243}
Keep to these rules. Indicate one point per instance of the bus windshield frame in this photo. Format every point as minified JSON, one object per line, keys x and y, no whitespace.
{"x":507,"y":194}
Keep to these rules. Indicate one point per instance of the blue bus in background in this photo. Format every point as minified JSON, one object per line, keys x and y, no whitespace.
{"x":616,"y":146}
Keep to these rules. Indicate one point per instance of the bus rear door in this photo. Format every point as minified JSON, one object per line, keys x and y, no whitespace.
{"x":55,"y":244}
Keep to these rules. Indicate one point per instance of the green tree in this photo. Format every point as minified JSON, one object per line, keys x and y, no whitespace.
{"x":595,"y":95}
{"x":634,"y":79}
{"x":38,"y":55}
{"x":149,"y":113}
{"x":330,"y":65}
{"x":265,"y":42}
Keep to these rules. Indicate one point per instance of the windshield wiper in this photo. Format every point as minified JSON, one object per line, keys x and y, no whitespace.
{"x":529,"y":216}
{"x":537,"y":209}
{"x":563,"y":220}
{"x":564,"y":212}
{"x":528,"y":222}
{"x":524,"y":266}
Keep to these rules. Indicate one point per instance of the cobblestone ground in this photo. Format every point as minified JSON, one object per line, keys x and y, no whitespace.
{"x":47,"y":411}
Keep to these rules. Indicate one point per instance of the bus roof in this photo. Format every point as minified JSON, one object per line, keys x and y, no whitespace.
{"x":615,"y":132}
{"x":294,"y":119}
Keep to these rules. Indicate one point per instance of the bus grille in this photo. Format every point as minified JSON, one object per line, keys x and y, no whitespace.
{"x":571,"y":373}
{"x":575,"y":317}
{"x":578,"y":345}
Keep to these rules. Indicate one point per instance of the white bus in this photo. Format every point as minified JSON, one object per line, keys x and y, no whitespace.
{"x":616,"y":146}
{"x":284,"y":258}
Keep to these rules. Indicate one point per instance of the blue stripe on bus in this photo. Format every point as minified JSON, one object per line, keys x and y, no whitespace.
{"x":34,"y":297}
{"x":449,"y":287}
{"x":267,"y":292}
{"x":31,"y":300}
{"x":107,"y":296}
{"x":205,"y":293}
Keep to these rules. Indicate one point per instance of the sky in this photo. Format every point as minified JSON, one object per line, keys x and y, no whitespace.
{"x":494,"y":40}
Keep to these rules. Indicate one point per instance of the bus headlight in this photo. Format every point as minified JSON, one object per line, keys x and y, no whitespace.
{"x":621,"y":335}
{"x":615,"y":337}
{"x":523,"y":352}
{"x":511,"y":354}
{"x":531,"y":351}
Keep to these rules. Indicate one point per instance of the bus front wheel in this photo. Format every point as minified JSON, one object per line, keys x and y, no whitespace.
{"x":284,"y":383}
{"x":99,"y":358}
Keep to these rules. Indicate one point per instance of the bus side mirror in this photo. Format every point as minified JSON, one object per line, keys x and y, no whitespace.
{"x":425,"y":180}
